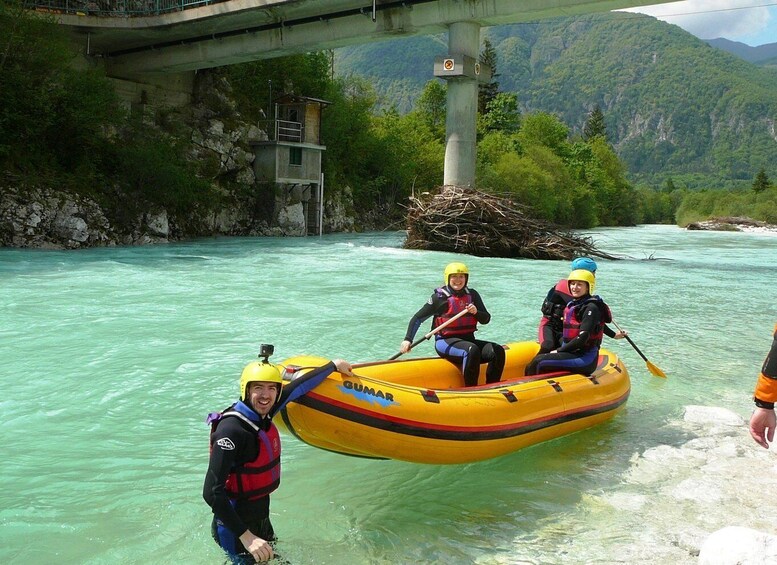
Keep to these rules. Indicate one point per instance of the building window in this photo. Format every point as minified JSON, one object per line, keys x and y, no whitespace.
{"x":295,"y":156}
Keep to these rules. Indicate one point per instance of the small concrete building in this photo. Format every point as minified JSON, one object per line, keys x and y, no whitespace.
{"x":289,"y":162}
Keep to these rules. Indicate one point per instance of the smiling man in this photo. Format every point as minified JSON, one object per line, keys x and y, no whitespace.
{"x":245,"y":457}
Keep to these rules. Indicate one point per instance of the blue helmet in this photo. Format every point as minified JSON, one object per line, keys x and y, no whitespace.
{"x":585,"y":264}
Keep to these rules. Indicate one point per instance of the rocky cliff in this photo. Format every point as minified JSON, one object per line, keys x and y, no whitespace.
{"x":219,"y":144}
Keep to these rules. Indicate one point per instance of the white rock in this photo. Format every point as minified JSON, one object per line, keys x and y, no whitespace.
{"x":33,"y":220}
{"x":735,"y":545}
{"x":663,"y":454}
{"x":216,"y":128}
{"x":245,"y":176}
{"x":71,"y":227}
{"x":712,"y":415}
{"x":255,"y":134}
{"x":698,"y":490}
{"x":291,"y":219}
{"x":158,"y":224}
{"x":632,"y":502}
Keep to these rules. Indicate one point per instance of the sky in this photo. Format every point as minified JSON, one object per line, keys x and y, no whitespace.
{"x":751,"y":22}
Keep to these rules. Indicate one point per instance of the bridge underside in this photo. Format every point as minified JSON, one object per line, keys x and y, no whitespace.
{"x":237,"y":31}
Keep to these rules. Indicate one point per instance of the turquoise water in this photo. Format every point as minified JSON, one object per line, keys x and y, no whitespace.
{"x":112,"y":357}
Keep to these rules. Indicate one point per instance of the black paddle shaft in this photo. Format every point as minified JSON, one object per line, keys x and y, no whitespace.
{"x":634,"y":345}
{"x":412,"y":345}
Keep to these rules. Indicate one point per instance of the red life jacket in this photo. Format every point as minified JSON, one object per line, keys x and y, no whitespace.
{"x":261,"y":476}
{"x":467,"y":324}
{"x":572,"y":322}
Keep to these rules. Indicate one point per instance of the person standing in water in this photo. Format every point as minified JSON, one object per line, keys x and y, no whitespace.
{"x":456,"y":342}
{"x":245,"y":457}
{"x":585,"y":317}
{"x":764,"y":420}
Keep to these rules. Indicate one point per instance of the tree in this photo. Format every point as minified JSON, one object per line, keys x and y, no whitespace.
{"x":487,"y":91}
{"x":352,"y":153}
{"x":595,"y":126}
{"x":669,"y":186}
{"x":761,"y":181}
{"x":431,"y":106}
{"x":411,"y":157}
{"x":545,"y":129}
{"x":502,"y":114}
{"x":255,"y":84}
{"x":52,"y":116}
{"x":616,"y":201}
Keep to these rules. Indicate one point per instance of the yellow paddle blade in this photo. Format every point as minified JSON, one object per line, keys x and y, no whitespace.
{"x":655,"y":370}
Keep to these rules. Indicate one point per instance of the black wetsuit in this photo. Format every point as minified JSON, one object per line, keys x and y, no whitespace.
{"x":552,"y":322}
{"x":464,"y":350}
{"x":254,"y":515}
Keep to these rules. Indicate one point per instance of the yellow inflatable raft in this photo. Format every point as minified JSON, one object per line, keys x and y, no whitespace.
{"x":417,"y":409}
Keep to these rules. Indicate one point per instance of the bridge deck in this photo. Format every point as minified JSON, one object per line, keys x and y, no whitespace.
{"x":324,"y":24}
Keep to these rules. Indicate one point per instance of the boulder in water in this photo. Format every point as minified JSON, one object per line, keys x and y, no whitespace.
{"x":738,"y":545}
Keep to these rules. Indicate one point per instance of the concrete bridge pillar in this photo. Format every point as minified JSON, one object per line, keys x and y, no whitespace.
{"x":462,"y":104}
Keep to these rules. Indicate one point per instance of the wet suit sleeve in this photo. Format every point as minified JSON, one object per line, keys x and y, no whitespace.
{"x":435,"y":305}
{"x":766,"y":388}
{"x":483,"y":316}
{"x":548,"y":303}
{"x":229,"y":441}
{"x":589,"y":319}
{"x":302,"y":385}
{"x":608,"y":331}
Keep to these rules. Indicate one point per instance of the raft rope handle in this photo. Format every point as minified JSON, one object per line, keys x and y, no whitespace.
{"x":448,"y":391}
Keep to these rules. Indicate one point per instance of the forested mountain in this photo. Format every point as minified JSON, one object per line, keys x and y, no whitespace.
{"x":674,"y":107}
{"x":759,"y":55}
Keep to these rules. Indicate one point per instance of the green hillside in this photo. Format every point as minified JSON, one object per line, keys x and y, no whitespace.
{"x":744,"y":51}
{"x":674,"y":106}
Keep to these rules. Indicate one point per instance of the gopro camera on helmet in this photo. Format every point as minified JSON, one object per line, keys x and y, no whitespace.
{"x":265,"y":350}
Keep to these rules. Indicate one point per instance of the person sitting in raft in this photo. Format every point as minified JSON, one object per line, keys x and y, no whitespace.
{"x":552,"y":321}
{"x":456,"y":342}
{"x":245,"y":454}
{"x":585,"y":317}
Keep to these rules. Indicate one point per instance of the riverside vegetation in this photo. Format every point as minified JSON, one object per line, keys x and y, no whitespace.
{"x":62,"y":127}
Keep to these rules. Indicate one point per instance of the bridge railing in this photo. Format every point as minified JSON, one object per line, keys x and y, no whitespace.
{"x":117,"y":8}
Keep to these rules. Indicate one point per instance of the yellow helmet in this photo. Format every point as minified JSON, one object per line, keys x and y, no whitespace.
{"x":583,"y":275}
{"x":455,"y":269}
{"x":260,"y":371}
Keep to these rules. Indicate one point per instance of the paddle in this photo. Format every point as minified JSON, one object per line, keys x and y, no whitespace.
{"x":431,"y":333}
{"x":652,"y":368}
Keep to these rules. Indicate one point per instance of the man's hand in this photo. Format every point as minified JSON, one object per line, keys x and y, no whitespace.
{"x":343,"y":367}
{"x":256,"y":546}
{"x":761,"y":420}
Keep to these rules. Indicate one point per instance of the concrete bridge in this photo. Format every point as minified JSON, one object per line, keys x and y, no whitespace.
{"x":163,"y":51}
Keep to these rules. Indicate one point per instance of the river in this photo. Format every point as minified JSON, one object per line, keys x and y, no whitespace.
{"x":111,"y":358}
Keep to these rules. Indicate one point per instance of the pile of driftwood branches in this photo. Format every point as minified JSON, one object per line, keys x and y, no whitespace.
{"x":465,"y":220}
